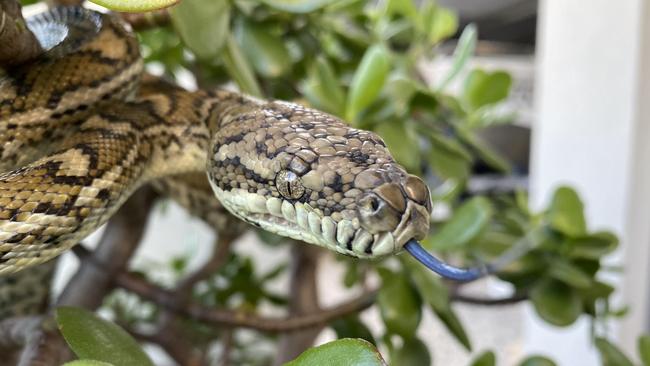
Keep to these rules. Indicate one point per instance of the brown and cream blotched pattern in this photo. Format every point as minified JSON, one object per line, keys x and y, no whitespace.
{"x":79,"y":133}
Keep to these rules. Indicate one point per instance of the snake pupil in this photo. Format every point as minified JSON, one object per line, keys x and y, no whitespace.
{"x":289,"y":185}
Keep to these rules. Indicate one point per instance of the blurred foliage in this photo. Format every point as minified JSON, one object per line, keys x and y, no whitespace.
{"x":362,"y":61}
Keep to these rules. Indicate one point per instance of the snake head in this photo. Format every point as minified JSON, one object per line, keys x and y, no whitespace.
{"x":307,"y":175}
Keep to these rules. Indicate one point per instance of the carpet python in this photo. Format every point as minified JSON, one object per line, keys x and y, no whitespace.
{"x":81,"y":128}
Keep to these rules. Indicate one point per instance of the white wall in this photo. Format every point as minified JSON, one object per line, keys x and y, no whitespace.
{"x":590,"y":132}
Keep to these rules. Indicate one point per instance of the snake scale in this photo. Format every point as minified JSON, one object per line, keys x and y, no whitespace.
{"x":81,"y":128}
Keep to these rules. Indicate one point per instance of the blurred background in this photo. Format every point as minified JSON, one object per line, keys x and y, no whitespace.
{"x":581,"y":92}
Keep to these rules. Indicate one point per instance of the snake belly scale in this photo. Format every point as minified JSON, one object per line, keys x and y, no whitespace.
{"x":81,"y":128}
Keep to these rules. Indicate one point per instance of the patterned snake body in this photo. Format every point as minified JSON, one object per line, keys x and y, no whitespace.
{"x":76,"y":141}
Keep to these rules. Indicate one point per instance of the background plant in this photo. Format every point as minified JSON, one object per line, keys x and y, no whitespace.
{"x":361,"y":61}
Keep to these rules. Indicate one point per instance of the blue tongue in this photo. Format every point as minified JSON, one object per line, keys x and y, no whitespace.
{"x":443,"y":269}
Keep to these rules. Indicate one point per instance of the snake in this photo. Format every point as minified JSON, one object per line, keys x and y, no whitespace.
{"x":82,"y":127}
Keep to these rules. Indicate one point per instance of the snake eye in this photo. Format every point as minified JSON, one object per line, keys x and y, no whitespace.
{"x":289,"y":185}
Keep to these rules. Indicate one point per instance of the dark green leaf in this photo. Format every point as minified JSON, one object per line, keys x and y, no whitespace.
{"x":592,"y":246}
{"x":92,"y":337}
{"x":556,"y":302}
{"x":537,"y":361}
{"x":412,"y":353}
{"x":465,"y":224}
{"x":611,"y":355}
{"x":399,"y":304}
{"x":342,"y":352}
{"x":484,"y":88}
{"x":486,"y":358}
{"x":352,"y":327}
{"x":566,"y":213}
{"x":368,"y":80}
{"x":570,"y":274}
{"x":644,"y":349}
{"x":203,"y":26}
{"x":266,"y":51}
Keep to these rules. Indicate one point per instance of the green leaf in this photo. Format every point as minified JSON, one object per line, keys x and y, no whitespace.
{"x":448,"y":158}
{"x":486,"y":358}
{"x":342,"y":352}
{"x":484,"y":152}
{"x":87,"y":363}
{"x":92,"y":337}
{"x":441,"y":24}
{"x":266,"y":51}
{"x":239,"y":68}
{"x":297,"y":6}
{"x":203,"y":26}
{"x":537,"y":361}
{"x":610,"y":354}
{"x":135,"y":6}
{"x":399,"y":304}
{"x":464,"y":50}
{"x":323,"y":89}
{"x":570,"y":274}
{"x":352,"y":327}
{"x":465,"y":224}
{"x":436,"y":294}
{"x":644,"y":349}
{"x":401,"y":140}
{"x":556,"y":302}
{"x":566,"y":213}
{"x":412,"y":353}
{"x":484,"y":88}
{"x":368,"y":80}
{"x":593,"y":246}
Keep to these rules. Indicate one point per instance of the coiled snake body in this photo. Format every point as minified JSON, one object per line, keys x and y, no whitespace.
{"x":75,"y":142}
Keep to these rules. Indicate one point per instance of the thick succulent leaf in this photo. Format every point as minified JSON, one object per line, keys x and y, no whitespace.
{"x":466,"y":223}
{"x":644,"y":349}
{"x":412,"y":353}
{"x":537,"y":361}
{"x":135,"y":6}
{"x":611,"y":355}
{"x":556,"y":302}
{"x":265,"y":50}
{"x":484,"y":88}
{"x":593,"y":246}
{"x":486,"y":358}
{"x":203,"y":25}
{"x":91,"y":337}
{"x":239,"y":68}
{"x":352,"y":327}
{"x":297,"y":6}
{"x":342,"y":352}
{"x":570,"y":274}
{"x":399,"y":304}
{"x":464,"y":50}
{"x":566,"y":213}
{"x":436,"y":294}
{"x":87,"y":363}
{"x":368,"y":80}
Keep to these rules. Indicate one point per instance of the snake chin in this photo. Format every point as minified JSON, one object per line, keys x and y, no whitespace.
{"x":303,"y":222}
